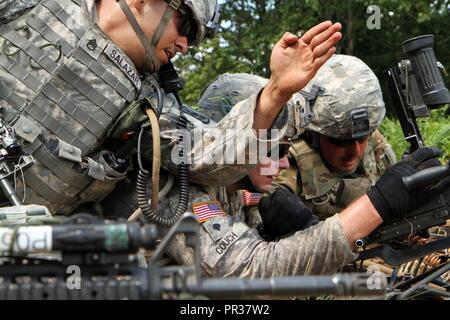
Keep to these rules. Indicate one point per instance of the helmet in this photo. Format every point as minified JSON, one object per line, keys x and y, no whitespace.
{"x":206,"y":14}
{"x":351,"y":103}
{"x":226,"y":91}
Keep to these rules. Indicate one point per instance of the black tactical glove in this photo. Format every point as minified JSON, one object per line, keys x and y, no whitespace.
{"x":390,"y":196}
{"x":283,"y":213}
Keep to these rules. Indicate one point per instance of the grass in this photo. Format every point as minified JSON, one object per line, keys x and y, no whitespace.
{"x":435,"y":132}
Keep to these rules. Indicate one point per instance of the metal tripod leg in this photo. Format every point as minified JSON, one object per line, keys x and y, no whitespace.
{"x":443,"y":269}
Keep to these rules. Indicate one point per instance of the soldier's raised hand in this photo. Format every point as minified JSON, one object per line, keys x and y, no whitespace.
{"x":295,"y":61}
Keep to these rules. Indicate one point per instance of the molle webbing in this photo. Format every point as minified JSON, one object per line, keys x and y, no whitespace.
{"x":65,"y":73}
{"x":60,"y":82}
{"x":68,"y":50}
{"x":51,"y":36}
{"x":97,"y":68}
{"x":55,"y":95}
{"x":64,"y":17}
{"x":63,"y":170}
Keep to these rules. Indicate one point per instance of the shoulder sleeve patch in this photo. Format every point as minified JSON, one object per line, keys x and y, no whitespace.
{"x":207,"y":210}
{"x":250,"y":198}
{"x":217,"y":249}
{"x":217,"y":227}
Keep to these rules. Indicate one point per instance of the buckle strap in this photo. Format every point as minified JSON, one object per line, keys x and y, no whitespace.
{"x":162,"y":26}
{"x":174,"y":4}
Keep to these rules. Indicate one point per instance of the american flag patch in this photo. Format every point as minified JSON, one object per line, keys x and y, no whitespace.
{"x":206,"y":210}
{"x":251,"y":198}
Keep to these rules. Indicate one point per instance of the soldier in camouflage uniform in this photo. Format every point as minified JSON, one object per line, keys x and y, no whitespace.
{"x":70,"y":68}
{"x":243,"y":197}
{"x":231,"y":244}
{"x":67,"y":76}
{"x":341,"y":153}
{"x":230,"y":215}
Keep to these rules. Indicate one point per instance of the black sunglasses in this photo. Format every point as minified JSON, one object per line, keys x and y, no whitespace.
{"x":186,"y":24}
{"x":283,"y":150}
{"x":346,"y":142}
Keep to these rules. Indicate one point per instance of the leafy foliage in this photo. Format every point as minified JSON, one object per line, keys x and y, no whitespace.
{"x":435,"y":132}
{"x":250,"y":27}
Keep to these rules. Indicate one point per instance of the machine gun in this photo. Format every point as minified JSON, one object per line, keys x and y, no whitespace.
{"x":12,"y":159}
{"x":416,"y":86}
{"x":85,"y":258}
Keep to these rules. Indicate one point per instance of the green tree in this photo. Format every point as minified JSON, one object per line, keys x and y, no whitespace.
{"x":250,"y":28}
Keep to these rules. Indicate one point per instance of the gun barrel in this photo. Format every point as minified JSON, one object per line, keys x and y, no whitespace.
{"x":360,"y":243}
{"x":113,"y":237}
{"x":339,"y":285}
{"x":137,"y":285}
{"x":426,"y":177}
{"x":10,"y":192}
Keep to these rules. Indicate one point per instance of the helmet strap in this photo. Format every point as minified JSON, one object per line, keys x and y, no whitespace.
{"x":150,"y":58}
{"x":172,"y":7}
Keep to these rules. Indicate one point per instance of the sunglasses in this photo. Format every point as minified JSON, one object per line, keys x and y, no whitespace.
{"x":283,"y":150}
{"x":347,"y":142}
{"x":186,"y":24}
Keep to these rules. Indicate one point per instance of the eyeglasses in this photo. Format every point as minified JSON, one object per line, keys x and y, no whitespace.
{"x":346,"y":142}
{"x":283,"y":150}
{"x":186,"y":24}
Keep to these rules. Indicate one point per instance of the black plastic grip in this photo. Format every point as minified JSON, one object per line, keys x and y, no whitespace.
{"x":426,"y":177}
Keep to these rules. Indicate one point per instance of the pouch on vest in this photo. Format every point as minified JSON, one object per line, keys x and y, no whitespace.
{"x":105,"y":179}
{"x":350,"y":190}
{"x":132,"y":119}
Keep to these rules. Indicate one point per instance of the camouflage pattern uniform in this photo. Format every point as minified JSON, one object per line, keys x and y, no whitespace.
{"x":239,"y":203}
{"x":224,"y":139}
{"x":327,"y":192}
{"x":230,"y":247}
{"x":11,"y":9}
{"x":231,"y":244}
{"x":350,"y":86}
{"x":64,"y":84}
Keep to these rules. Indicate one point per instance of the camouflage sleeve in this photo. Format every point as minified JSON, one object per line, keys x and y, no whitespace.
{"x":223,"y":154}
{"x":230,"y":248}
{"x":226,"y":154}
{"x":11,"y":9}
{"x":241,"y":252}
{"x":384,"y":153}
{"x":288,"y":178}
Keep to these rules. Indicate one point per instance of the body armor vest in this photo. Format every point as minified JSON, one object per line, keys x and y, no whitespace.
{"x":326,"y":192}
{"x":63,"y":84}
